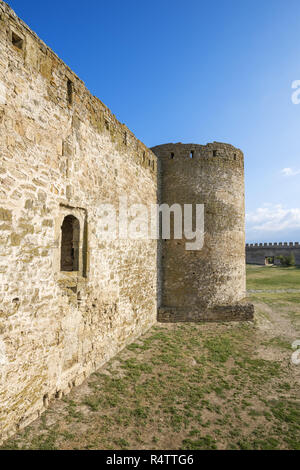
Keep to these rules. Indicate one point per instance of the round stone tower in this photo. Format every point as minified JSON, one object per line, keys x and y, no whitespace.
{"x":206,"y":284}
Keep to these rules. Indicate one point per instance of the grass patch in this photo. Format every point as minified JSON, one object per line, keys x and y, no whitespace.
{"x":190,"y":386}
{"x":277,"y":277}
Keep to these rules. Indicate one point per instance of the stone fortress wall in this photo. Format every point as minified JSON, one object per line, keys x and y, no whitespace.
{"x":62,"y":153}
{"x":257,"y":253}
{"x":69,"y":299}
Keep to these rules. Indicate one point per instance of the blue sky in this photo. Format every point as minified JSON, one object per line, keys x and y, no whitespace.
{"x":195,"y":71}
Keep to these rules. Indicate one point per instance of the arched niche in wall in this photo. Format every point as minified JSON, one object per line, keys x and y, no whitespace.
{"x":70,"y":244}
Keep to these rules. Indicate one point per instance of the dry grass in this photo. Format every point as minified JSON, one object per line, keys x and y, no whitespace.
{"x":188,"y":386}
{"x":273,"y":277}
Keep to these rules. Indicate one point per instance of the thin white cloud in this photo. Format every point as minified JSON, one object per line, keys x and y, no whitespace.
{"x":290,"y":172}
{"x":273,"y":218}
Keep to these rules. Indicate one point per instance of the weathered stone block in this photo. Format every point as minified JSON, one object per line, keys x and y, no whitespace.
{"x":5,"y":214}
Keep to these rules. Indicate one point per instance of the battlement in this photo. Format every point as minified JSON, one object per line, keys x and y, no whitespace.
{"x":259,"y":253}
{"x":211,"y":152}
{"x":273,"y":245}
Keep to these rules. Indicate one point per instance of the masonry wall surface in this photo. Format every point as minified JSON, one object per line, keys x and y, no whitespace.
{"x":63,"y":153}
{"x":209,"y":283}
{"x":257,"y":253}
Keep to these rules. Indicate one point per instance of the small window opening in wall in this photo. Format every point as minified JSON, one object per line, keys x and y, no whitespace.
{"x":70,"y":92}
{"x":214,"y":153}
{"x":172,"y":156}
{"x":234,"y":156}
{"x":17,"y":41}
{"x":192,"y":154}
{"x":125,"y":138}
{"x":69,"y":260}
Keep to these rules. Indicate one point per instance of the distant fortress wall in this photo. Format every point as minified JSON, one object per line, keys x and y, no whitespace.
{"x":258,"y":253}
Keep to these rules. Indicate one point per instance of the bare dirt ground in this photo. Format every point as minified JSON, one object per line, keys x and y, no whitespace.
{"x":189,"y":386}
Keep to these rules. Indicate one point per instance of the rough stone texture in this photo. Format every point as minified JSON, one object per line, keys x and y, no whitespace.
{"x":58,"y":159}
{"x":63,"y":154}
{"x":238,"y":312}
{"x":193,"y":283}
{"x":258,"y":252}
